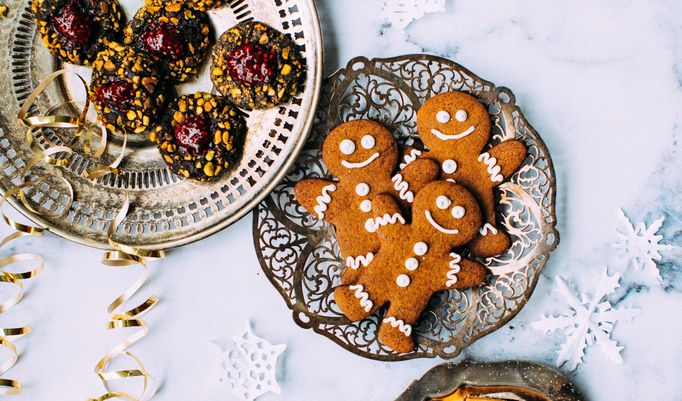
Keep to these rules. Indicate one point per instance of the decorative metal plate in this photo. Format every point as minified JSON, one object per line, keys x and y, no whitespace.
{"x":299,"y":253}
{"x":512,"y":380}
{"x":166,"y":211}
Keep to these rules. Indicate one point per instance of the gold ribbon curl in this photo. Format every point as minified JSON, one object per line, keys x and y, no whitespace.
{"x":120,"y":255}
{"x":124,"y":255}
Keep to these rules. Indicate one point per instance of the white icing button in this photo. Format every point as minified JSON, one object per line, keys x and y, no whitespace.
{"x":461,"y":116}
{"x":403,"y":280}
{"x":362,"y":189}
{"x":420,"y":248}
{"x":347,"y":147}
{"x":449,"y":166}
{"x":458,"y":212}
{"x":370,"y":226}
{"x":366,"y":205}
{"x":443,"y":202}
{"x":368,"y":141}
{"x":411,"y":264}
{"x":443,"y":117}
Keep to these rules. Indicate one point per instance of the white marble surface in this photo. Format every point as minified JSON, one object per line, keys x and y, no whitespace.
{"x":599,"y":79}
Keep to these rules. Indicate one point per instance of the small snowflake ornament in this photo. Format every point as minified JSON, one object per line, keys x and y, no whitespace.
{"x":640,"y":244}
{"x":401,"y":13}
{"x":590,"y":322}
{"x":251,"y":366}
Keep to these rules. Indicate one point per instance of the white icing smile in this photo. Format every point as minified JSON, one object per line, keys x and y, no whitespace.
{"x":438,"y":226}
{"x":348,"y":164}
{"x":444,"y":137}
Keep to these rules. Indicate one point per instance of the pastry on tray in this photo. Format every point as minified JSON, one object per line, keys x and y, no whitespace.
{"x":177,"y":37}
{"x":76,"y":30}
{"x":256,"y":66}
{"x":402,"y":227}
{"x":200,"y":136}
{"x":126,"y":89}
{"x":201,"y":5}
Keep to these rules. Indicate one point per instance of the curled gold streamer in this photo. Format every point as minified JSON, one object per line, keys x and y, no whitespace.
{"x":124,"y":255}
{"x":121,"y":254}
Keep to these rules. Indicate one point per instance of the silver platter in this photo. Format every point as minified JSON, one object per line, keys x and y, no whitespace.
{"x":508,"y":380}
{"x":300,"y":255}
{"x":166,"y":211}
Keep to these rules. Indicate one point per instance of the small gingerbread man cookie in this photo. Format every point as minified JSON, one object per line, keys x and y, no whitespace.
{"x":362,"y":154}
{"x":415,"y":260}
{"x":455,"y":127}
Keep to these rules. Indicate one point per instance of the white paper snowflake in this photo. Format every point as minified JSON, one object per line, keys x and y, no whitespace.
{"x":251,"y":366}
{"x":590,"y":322}
{"x":640,"y":244}
{"x":400,"y":13}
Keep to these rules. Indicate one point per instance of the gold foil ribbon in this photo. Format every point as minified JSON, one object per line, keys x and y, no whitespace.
{"x":124,"y":255}
{"x":120,"y":255}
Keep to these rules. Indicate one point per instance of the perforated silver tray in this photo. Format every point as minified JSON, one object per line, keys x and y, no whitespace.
{"x":166,"y":211}
{"x":300,"y":254}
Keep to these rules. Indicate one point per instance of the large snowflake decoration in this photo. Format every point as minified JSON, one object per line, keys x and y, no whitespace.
{"x":590,"y":322}
{"x":401,"y":13}
{"x":251,"y":366}
{"x":640,"y":244}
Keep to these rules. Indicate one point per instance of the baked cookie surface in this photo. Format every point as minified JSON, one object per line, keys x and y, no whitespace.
{"x":177,"y":37}
{"x":76,"y":30}
{"x":126,"y":89}
{"x":200,"y":136}
{"x":201,"y":5}
{"x":256,"y":66}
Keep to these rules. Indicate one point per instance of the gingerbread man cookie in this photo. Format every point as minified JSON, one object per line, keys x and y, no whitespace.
{"x":455,"y":127}
{"x":362,"y":154}
{"x":415,"y":260}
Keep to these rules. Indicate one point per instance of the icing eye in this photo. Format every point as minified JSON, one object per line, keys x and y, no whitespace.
{"x":368,"y":142}
{"x":443,"y":202}
{"x":458,"y":212}
{"x":461,"y":116}
{"x":443,"y":117}
{"x":347,"y":147}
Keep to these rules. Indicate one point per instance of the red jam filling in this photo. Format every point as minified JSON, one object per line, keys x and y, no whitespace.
{"x":194,"y":134}
{"x":73,"y":23}
{"x":164,"y":40}
{"x":252,"y":64}
{"x":117,"y":94}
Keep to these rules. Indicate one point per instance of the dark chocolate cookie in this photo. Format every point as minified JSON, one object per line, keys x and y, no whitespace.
{"x":76,"y":30}
{"x":200,"y":136}
{"x":256,"y":66}
{"x":176,"y":36}
{"x":126,"y":89}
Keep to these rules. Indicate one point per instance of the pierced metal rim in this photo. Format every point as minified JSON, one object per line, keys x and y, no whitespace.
{"x":249,"y":206}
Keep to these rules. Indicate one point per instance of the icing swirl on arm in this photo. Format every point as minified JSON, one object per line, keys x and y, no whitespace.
{"x":487,"y":227}
{"x":400,"y":324}
{"x":454,"y":269}
{"x":493,"y":168}
{"x":354,"y":262}
{"x":403,"y":188}
{"x":324,"y":200}
{"x":372,"y":225}
{"x":409,"y":158}
{"x":362,"y":296}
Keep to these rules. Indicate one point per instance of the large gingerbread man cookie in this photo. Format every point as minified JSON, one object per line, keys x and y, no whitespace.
{"x":363,"y":155}
{"x":455,"y":127}
{"x":415,"y":260}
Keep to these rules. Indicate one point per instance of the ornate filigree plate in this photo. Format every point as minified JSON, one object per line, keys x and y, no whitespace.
{"x":299,"y":253}
{"x":166,"y":211}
